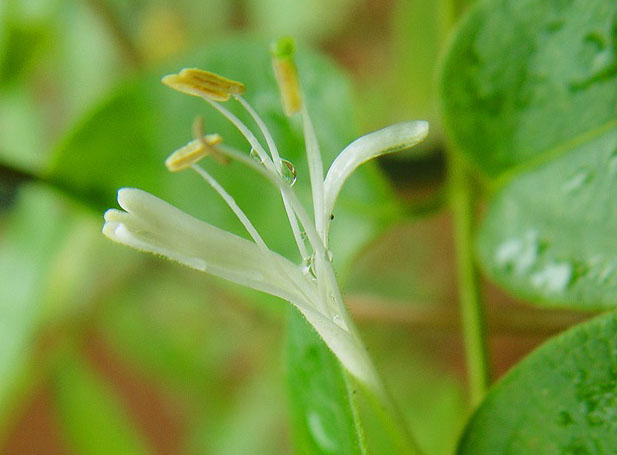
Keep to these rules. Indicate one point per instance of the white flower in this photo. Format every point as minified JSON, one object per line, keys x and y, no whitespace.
{"x":152,"y":225}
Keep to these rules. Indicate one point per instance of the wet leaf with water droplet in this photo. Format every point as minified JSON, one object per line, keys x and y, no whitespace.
{"x":524,"y":77}
{"x":576,"y":415}
{"x":529,"y":91}
{"x":550,"y":235}
{"x":321,"y":411}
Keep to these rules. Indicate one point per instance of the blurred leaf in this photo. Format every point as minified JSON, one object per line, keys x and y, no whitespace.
{"x":50,"y":79}
{"x":321,"y":406}
{"x":168,"y":322}
{"x":309,"y":20}
{"x":512,"y":95}
{"x":21,"y":131}
{"x":431,"y":398}
{"x":31,"y":237}
{"x":557,"y":246}
{"x":545,"y":122}
{"x":410,"y":263}
{"x":331,"y":412}
{"x":420,"y":30}
{"x":562,"y":399}
{"x":92,"y":418}
{"x":251,"y":420}
{"x":24,"y":33}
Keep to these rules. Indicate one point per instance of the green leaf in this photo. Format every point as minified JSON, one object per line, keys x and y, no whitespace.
{"x":523,"y":78}
{"x":92,"y":418}
{"x":562,"y":399}
{"x":31,"y":238}
{"x":321,"y":407}
{"x":304,"y":19}
{"x":557,"y":246}
{"x":544,"y":122}
{"x":332,"y":413}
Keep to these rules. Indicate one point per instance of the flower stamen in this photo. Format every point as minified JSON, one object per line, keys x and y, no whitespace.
{"x":196,"y":82}
{"x":286,"y":74}
{"x":193,"y":152}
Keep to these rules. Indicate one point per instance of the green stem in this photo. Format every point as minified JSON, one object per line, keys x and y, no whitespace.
{"x":462,"y":200}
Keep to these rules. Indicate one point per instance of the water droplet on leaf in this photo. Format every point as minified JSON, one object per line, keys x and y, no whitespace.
{"x":553,"y":277}
{"x":518,"y":253}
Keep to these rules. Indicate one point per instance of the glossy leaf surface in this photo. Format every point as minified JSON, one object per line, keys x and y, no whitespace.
{"x":524,"y":78}
{"x":562,"y":399}
{"x":530,"y":95}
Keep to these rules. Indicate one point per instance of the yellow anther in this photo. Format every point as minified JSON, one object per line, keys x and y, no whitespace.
{"x":204,"y":83}
{"x":200,"y":135}
{"x":192,"y":152}
{"x":286,"y":74}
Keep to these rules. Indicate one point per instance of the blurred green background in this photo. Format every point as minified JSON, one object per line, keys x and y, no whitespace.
{"x":104,"y":350}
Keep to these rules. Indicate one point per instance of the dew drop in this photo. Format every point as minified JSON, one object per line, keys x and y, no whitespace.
{"x":518,"y":253}
{"x":288,"y":172}
{"x":255,"y":156}
{"x":308,"y":267}
{"x":338,"y":320}
{"x":196,"y":263}
{"x":553,"y":277}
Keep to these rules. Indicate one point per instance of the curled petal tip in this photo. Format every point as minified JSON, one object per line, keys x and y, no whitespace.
{"x":390,"y":139}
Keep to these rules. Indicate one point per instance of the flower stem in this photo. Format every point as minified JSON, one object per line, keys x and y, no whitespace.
{"x":462,"y":200}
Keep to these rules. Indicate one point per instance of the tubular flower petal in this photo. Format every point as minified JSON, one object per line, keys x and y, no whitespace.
{"x":149,"y":224}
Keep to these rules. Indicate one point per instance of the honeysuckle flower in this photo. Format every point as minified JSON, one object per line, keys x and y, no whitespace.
{"x":150,"y":224}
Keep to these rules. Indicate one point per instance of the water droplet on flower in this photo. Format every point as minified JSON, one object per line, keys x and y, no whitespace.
{"x":338,"y":320}
{"x":288,"y":172}
{"x":308,"y":267}
{"x":197,"y":264}
{"x":255,"y":155}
